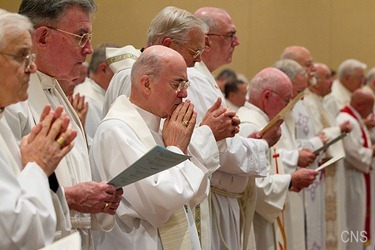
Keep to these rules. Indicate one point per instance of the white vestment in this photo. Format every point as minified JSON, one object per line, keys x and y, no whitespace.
{"x":310,"y":201}
{"x":288,"y":153}
{"x":337,"y":99}
{"x":94,"y":96}
{"x":120,"y":60}
{"x":27,"y":214}
{"x":271,"y":191}
{"x":120,"y":85}
{"x":358,"y":161}
{"x":148,"y":203}
{"x":242,"y":158}
{"x":74,"y":168}
{"x":202,"y":145}
{"x":334,"y":174}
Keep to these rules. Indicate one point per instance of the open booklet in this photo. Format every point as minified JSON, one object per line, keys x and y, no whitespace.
{"x":282,"y":113}
{"x":325,"y":146}
{"x":329,"y":162}
{"x":154,"y":161}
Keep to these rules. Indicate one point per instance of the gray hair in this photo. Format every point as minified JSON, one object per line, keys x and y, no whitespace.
{"x":290,"y":67}
{"x":99,"y":56}
{"x":47,"y":12}
{"x":174,"y":23}
{"x":348,"y":67}
{"x":147,"y":64}
{"x":370,"y":75}
{"x":12,"y":23}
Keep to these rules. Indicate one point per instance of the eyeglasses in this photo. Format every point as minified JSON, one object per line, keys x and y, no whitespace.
{"x":283,"y":98}
{"x":28,"y":59}
{"x":178,"y":85}
{"x":194,"y":53}
{"x":83,"y":39}
{"x":231,"y":35}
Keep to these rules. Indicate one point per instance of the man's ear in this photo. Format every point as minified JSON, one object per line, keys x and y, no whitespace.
{"x":167,"y":42}
{"x":145,"y":84}
{"x":207,"y":43}
{"x":41,"y":36}
{"x":103,"y":67}
{"x":267,"y":94}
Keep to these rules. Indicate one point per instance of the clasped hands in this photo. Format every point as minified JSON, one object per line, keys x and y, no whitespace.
{"x":222,"y":121}
{"x":178,"y":128}
{"x":49,"y":141}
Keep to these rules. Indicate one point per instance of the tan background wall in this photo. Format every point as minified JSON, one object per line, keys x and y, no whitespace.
{"x":333,"y":30}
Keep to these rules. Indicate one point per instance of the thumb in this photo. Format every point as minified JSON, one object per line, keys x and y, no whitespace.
{"x":216,"y":105}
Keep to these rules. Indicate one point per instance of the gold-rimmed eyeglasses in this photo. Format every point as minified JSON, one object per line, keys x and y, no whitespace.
{"x":178,"y":84}
{"x":83,"y":39}
{"x":194,"y":53}
{"x":231,"y":35}
{"x":28,"y":59}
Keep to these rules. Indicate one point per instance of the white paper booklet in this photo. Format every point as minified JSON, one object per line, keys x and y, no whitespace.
{"x":154,"y":161}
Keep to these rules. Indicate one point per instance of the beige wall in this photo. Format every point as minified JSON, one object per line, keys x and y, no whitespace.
{"x":333,"y":30}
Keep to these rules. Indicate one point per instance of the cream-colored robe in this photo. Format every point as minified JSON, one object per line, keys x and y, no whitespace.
{"x":334,"y":175}
{"x":358,"y":161}
{"x":240,"y":158}
{"x":74,"y":168}
{"x":271,"y":191}
{"x":288,"y":153}
{"x":312,"y":197}
{"x":120,"y":60}
{"x":94,"y":96}
{"x":148,"y":203}
{"x":27,"y":214}
{"x":337,"y":99}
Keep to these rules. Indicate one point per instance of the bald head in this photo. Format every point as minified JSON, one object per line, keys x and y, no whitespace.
{"x":270,"y":90}
{"x":323,"y":80}
{"x":302,"y":56}
{"x":221,"y":38}
{"x":159,"y":81}
{"x":362,"y":101}
{"x":295,"y":53}
{"x":153,"y":60}
{"x":212,"y":14}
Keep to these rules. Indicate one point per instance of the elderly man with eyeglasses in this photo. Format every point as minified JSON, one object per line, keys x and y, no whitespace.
{"x":148,"y":208}
{"x":172,"y":27}
{"x":179,"y":30}
{"x":29,"y":209}
{"x":240,"y":157}
{"x":61,"y":43}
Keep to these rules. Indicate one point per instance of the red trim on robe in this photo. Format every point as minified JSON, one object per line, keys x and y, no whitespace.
{"x":366,"y":176}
